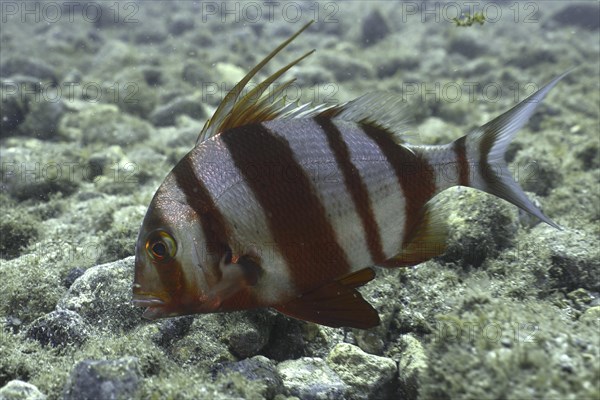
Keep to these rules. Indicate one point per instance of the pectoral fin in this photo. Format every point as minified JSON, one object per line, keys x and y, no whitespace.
{"x":336,"y":304}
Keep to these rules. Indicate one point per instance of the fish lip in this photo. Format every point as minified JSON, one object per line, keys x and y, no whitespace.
{"x":147,"y":301}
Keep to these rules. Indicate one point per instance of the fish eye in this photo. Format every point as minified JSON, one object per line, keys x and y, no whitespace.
{"x":161,"y":246}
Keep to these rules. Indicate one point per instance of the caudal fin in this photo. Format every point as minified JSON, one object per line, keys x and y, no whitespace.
{"x":485,"y":147}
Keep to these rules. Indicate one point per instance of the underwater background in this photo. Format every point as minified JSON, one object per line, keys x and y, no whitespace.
{"x":100,"y":99}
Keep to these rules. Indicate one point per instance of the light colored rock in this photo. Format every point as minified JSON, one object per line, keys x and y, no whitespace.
{"x":368,"y":376}
{"x":19,"y":390}
{"x":311,"y":378}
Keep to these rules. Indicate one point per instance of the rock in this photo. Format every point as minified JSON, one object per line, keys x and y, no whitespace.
{"x":368,"y":376}
{"x":583,"y":15}
{"x":34,"y":67}
{"x":72,"y":276}
{"x":287,"y":340}
{"x":102,"y":296}
{"x":229,"y":73}
{"x":196,"y":75}
{"x":165,"y":115}
{"x":248,"y":335}
{"x":104,"y":124}
{"x":59,"y":328}
{"x":311,"y":378}
{"x":591,"y":316}
{"x":150,"y":36}
{"x":43,"y":117}
{"x":479,"y":226}
{"x":134,"y":94}
{"x":172,"y":329}
{"x":257,"y":369}
{"x":412,"y":363}
{"x":575,"y":262}
{"x":179,"y":25}
{"x":345,"y":66}
{"x":103,"y":379}
{"x":467,"y":43}
{"x":19,"y":229}
{"x":12,"y":111}
{"x":537,"y":174}
{"x":203,"y":344}
{"x":374,"y":28}
{"x":437,"y":131}
{"x":589,"y":156}
{"x":19,"y":390}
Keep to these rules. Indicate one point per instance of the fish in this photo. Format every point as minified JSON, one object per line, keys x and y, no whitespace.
{"x":292,"y":206}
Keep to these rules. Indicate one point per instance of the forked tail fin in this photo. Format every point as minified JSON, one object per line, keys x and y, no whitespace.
{"x":484,"y":150}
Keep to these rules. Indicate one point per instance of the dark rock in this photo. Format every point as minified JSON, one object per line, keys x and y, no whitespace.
{"x":43,"y":187}
{"x":71,"y":276}
{"x":374,"y":28}
{"x":153,"y":76}
{"x":257,"y":368}
{"x":287,"y":341}
{"x":172,"y":329}
{"x":346,"y":67}
{"x":589,"y":156}
{"x":58,"y":329}
{"x":30,"y":67}
{"x":180,"y":25}
{"x":17,"y":231}
{"x":150,"y":36}
{"x":575,"y":267}
{"x":106,"y":379}
{"x":537,"y":175}
{"x":584,"y":15}
{"x":196,"y":74}
{"x":12,"y":112}
{"x":249,"y":335}
{"x":482,"y":226}
{"x":165,"y":115}
{"x":467,"y":43}
{"x":43,"y":117}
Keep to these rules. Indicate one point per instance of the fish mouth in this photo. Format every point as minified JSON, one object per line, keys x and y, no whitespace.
{"x":155,"y":307}
{"x":147,"y":301}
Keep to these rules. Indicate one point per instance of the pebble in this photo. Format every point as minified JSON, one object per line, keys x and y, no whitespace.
{"x":19,"y":390}
{"x":59,"y":329}
{"x":468,"y":44}
{"x":311,"y":378}
{"x":165,"y":115}
{"x":102,"y":296}
{"x":368,"y":376}
{"x":103,"y":379}
{"x":29,"y":66}
{"x":258,"y":369}
{"x":374,"y":28}
{"x":583,"y":15}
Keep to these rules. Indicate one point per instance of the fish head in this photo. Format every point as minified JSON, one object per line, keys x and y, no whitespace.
{"x":172,"y":267}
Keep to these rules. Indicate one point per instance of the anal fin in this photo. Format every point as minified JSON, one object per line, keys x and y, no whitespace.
{"x":426,"y":240}
{"x":336,"y":304}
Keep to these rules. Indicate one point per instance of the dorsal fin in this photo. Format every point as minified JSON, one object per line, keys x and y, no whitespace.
{"x":382,"y":110}
{"x":257,"y":105}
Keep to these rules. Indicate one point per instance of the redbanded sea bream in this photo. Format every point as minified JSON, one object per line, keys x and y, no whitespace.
{"x":243,"y":222}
